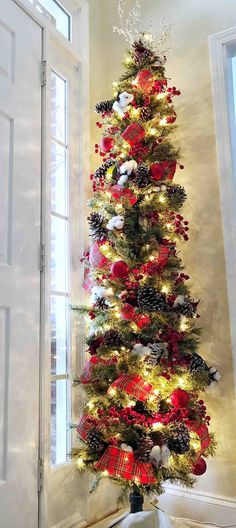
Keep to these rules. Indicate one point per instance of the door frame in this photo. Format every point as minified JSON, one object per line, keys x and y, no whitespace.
{"x":79,"y":50}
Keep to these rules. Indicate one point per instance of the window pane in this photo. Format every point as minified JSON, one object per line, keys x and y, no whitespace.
{"x":59,"y":334}
{"x":58,"y":421}
{"x":58,"y":254}
{"x":59,"y":17}
{"x":58,"y":107}
{"x":58,"y":179}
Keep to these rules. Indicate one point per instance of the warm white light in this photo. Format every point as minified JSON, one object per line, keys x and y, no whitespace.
{"x":162,"y":198}
{"x":80,"y":463}
{"x":90,"y":405}
{"x":152,"y":131}
{"x":105,"y":473}
{"x":112,"y":391}
{"x":151,"y":258}
{"x":156,"y":392}
{"x":161,"y":95}
{"x":163,"y":121}
{"x":165,"y":289}
{"x":157,"y":425}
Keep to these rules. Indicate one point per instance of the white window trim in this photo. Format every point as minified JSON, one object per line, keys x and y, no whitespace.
{"x":219,"y":47}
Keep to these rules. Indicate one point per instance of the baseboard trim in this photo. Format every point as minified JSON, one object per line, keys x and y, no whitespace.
{"x":197,"y":505}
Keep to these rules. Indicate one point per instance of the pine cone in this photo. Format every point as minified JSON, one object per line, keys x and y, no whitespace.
{"x":142,"y":175}
{"x":101,"y":171}
{"x":187,"y":309}
{"x":94,"y":440}
{"x":97,"y":229}
{"x":144,"y":449}
{"x":102,"y":304}
{"x":145,"y":113}
{"x":104,"y":107}
{"x":197,"y":364}
{"x":159,"y":351}
{"x":176,"y":195}
{"x":113,"y":338}
{"x":150,"y":300}
{"x":179,"y":440}
{"x":141,"y":54}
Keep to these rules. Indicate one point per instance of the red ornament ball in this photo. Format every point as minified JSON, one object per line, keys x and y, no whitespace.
{"x":120,"y":270}
{"x":106,"y":144}
{"x":142,"y":320}
{"x":179,"y":398}
{"x":199,"y":467}
{"x":157,"y":171}
{"x":127,"y":312}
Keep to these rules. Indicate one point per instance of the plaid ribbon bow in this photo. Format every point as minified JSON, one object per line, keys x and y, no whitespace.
{"x":133,"y":385}
{"x":121,"y":464}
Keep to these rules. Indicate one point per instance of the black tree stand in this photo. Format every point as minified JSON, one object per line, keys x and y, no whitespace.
{"x":136,"y":501}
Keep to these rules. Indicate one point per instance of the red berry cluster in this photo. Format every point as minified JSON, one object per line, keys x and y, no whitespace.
{"x":180,"y":225}
{"x":129,"y":416}
{"x":158,"y":86}
{"x":172,"y":92}
{"x":85,"y":256}
{"x":201,"y":409}
{"x":99,"y":125}
{"x":138,"y":150}
{"x":181,"y":278}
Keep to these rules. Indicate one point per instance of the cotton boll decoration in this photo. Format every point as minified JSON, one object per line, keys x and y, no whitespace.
{"x":180,"y":299}
{"x":99,"y":292}
{"x":122,"y":103}
{"x":117,"y":222}
{"x":128,"y":167}
{"x":165,"y":456}
{"x":122,"y":179}
{"x":126,"y":448}
{"x":141,"y":351}
{"x":155,"y":456}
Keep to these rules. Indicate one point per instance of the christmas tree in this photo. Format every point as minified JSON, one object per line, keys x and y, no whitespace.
{"x":144,"y":422}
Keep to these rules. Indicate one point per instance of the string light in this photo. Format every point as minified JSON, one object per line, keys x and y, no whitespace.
{"x":131,"y":403}
{"x":161,"y":198}
{"x":80,"y":463}
{"x":161,"y":95}
{"x":90,"y":405}
{"x":152,"y":131}
{"x":152,"y":398}
{"x":105,"y":473}
{"x":163,"y":121}
{"x":128,"y":60}
{"x":183,"y":324}
{"x":165,"y":288}
{"x":112,"y":391}
{"x":157,"y":425}
{"x":156,"y":392}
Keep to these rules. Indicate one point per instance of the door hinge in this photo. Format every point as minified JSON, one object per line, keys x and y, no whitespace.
{"x":44,"y":73}
{"x":42,"y":257}
{"x":40,"y":474}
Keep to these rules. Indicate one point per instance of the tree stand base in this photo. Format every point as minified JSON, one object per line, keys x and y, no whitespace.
{"x":136,"y":502}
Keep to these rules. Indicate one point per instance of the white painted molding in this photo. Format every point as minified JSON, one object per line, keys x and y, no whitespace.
{"x":220,"y":47}
{"x":199,"y":506}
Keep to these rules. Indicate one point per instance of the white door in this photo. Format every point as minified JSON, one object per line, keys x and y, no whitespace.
{"x":20,"y":190}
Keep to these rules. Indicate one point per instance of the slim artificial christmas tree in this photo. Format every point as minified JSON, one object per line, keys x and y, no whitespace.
{"x":144,"y":422}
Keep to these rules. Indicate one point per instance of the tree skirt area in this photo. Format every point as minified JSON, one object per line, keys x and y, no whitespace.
{"x":150,"y":519}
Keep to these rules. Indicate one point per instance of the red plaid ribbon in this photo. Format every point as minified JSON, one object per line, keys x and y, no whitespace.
{"x":121,"y":464}
{"x":89,"y":282}
{"x":86,"y":422}
{"x":96,"y":258}
{"x":134,"y":385}
{"x":202,"y":431}
{"x":163,"y":255}
{"x":145,"y":80}
{"x":133,"y":133}
{"x":87,"y":372}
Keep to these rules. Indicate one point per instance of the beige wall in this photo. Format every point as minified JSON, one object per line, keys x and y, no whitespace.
{"x":188,"y":67}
